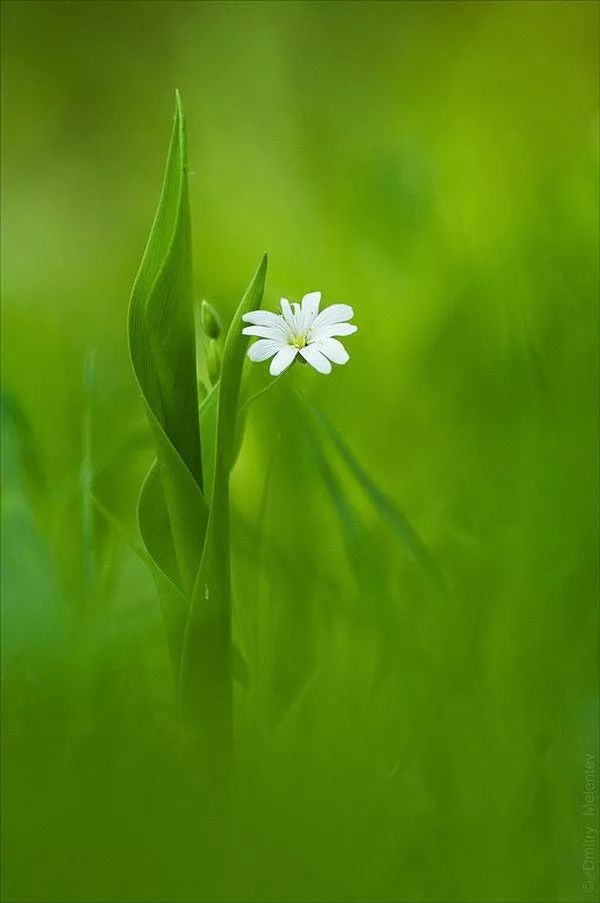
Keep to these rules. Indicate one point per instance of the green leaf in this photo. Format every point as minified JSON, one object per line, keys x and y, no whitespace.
{"x":206,"y":672}
{"x":162,"y":348}
{"x":208,"y":429}
{"x":173,"y":602}
{"x":154,"y":527}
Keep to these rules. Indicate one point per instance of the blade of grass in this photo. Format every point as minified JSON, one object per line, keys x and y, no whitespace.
{"x":386,"y":508}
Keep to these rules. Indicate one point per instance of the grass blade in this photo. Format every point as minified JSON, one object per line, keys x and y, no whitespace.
{"x":386,"y":508}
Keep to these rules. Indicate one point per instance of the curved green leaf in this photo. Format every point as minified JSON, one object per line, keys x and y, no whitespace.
{"x":162,"y":349}
{"x":154,"y":527}
{"x":173,"y":602}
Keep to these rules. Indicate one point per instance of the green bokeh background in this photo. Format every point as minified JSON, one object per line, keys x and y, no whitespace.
{"x":436,"y":166}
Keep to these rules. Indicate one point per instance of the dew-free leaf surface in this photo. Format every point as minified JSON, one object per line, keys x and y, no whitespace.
{"x":172,"y":513}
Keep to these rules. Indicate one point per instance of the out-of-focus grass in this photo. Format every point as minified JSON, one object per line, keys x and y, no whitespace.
{"x":436,"y":166}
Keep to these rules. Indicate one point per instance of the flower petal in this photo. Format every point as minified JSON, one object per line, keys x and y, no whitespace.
{"x":335,"y":313}
{"x":310,"y":307}
{"x":325,"y":332}
{"x":262,"y":318}
{"x":286,"y":310}
{"x":333,"y":349}
{"x":298,"y":319}
{"x":313,"y":356}
{"x":277,"y":333}
{"x":282,"y":359}
{"x":264,"y":349}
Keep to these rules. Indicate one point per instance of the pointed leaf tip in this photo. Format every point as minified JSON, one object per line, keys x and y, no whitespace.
{"x":178,"y":107}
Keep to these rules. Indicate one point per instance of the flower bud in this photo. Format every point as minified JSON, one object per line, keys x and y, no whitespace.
{"x":213,"y":361}
{"x":211,"y":321}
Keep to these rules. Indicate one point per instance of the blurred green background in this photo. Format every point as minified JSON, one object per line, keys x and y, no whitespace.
{"x":436,"y":166}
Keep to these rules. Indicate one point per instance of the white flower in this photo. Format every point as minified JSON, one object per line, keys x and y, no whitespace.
{"x":300,"y":329}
